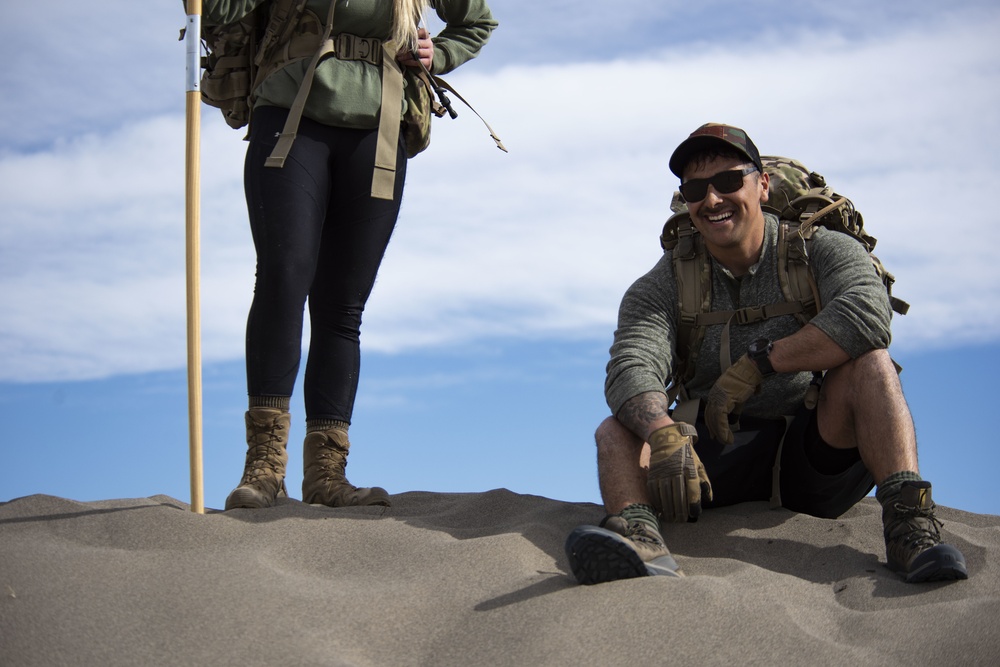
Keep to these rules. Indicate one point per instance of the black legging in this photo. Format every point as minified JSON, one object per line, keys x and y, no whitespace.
{"x":318,"y":234}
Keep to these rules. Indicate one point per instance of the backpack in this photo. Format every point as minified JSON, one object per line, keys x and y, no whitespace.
{"x":241,"y":54}
{"x":803,"y":201}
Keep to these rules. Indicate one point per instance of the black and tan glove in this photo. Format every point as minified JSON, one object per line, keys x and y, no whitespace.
{"x":677,"y":480}
{"x":727,"y":396}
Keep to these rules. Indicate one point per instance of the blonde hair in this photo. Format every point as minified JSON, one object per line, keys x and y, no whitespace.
{"x":406,"y":15}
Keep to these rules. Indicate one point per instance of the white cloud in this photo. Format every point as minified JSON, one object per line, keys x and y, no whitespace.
{"x":539,"y":242}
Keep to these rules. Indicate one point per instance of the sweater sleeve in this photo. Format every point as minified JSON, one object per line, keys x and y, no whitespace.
{"x":468,"y":25}
{"x":643,"y":349}
{"x":855,"y":306}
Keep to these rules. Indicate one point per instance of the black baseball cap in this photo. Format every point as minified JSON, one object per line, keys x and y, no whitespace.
{"x":711,"y":134}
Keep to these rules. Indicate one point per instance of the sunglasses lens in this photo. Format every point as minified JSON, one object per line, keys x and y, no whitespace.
{"x":694,"y":191}
{"x":725,"y":182}
{"x":728,"y":181}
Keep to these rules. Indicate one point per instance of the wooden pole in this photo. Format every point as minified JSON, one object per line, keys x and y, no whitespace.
{"x":193,"y":249}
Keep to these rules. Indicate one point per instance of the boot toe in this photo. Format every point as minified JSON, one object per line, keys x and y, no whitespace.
{"x":247,"y":497}
{"x":942,"y":562}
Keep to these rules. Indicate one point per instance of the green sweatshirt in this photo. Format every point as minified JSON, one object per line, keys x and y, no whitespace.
{"x":349,"y":93}
{"x":855,"y":315}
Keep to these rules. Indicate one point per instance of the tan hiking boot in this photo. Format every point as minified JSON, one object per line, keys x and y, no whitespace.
{"x":618,"y":549}
{"x":264,"y":471}
{"x":324,"y":482}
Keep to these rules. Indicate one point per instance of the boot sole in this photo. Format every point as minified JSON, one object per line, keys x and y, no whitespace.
{"x":598,"y":555}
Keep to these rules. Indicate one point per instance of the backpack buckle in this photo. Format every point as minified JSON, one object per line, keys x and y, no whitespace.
{"x":750,"y":314}
{"x":353,"y":47}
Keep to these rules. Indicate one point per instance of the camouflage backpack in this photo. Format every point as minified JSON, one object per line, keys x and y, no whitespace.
{"x":803,"y":202}
{"x":238,"y":56}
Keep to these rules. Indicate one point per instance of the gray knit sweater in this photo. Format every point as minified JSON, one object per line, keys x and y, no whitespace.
{"x":855,"y":315}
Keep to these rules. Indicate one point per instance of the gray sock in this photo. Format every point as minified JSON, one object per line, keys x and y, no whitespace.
{"x":891,"y":485}
{"x":279,"y":402}
{"x":644,"y":513}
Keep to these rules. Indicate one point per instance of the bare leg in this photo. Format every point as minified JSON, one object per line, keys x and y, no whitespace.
{"x":862,"y":405}
{"x":622,"y":463}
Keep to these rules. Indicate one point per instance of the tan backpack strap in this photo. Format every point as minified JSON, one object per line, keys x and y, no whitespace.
{"x":776,"y":469}
{"x":423,"y":78}
{"x":794,"y":276}
{"x":686,"y":411}
{"x":447,"y":86}
{"x":390,"y":116}
{"x":287,"y":137}
{"x":747,"y":315}
{"x":693,"y":273}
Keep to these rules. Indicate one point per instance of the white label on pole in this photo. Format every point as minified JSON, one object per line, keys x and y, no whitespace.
{"x":192,"y":42}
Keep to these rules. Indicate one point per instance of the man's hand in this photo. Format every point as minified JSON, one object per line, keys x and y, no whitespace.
{"x":732,"y":389}
{"x":424,"y":52}
{"x":677,"y":480}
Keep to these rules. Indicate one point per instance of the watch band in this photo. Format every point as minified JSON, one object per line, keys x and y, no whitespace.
{"x":759,"y":353}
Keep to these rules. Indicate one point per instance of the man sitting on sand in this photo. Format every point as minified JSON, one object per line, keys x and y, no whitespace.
{"x":654,"y":462}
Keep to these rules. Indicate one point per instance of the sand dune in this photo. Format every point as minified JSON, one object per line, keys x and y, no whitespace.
{"x":471,"y":579}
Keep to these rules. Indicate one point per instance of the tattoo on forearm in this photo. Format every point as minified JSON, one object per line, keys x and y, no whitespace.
{"x":639,"y":412}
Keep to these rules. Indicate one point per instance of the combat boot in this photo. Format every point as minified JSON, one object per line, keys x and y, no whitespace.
{"x":913,"y":544}
{"x":324,"y":482}
{"x":264,"y":471}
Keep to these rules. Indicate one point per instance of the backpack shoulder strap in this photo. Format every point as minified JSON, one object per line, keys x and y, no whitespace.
{"x":693,"y":274}
{"x":287,"y":137}
{"x":794,"y":276}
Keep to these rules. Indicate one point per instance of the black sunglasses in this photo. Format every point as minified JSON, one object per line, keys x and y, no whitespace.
{"x":725,"y":182}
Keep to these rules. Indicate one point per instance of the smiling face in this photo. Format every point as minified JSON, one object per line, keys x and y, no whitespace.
{"x":732,"y":224}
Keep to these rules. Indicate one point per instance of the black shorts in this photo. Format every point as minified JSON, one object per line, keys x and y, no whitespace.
{"x":743,"y":471}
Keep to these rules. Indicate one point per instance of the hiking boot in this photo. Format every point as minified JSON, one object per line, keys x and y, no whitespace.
{"x":323,"y":482}
{"x":913,"y":544}
{"x":264,"y":471}
{"x":618,"y":549}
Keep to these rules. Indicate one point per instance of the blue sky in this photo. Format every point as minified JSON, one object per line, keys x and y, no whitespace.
{"x":486,"y":337}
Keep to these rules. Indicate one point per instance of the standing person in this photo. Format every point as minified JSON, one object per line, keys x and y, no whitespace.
{"x":653,"y":463}
{"x":320,"y":231}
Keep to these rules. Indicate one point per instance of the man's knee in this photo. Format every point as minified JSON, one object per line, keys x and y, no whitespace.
{"x":874,"y":367}
{"x":612,"y":433}
{"x":607,"y":431}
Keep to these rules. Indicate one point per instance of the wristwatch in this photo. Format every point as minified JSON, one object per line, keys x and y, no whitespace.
{"x":759,"y":352}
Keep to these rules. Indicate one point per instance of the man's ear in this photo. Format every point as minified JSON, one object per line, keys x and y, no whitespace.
{"x":765,"y":184}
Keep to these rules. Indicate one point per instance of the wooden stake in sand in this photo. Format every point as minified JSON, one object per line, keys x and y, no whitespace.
{"x":192,"y":37}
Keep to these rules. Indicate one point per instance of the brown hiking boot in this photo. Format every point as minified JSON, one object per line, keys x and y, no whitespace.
{"x":913,"y":544}
{"x":264,"y":471}
{"x":324,"y":482}
{"x":618,"y":549}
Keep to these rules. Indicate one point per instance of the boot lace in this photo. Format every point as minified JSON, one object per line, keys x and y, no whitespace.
{"x":638,"y":532}
{"x":260,"y":462}
{"x":263,"y":458}
{"x":924,"y":528}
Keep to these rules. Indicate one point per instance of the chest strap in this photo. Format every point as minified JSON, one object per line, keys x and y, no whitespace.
{"x":747,"y":315}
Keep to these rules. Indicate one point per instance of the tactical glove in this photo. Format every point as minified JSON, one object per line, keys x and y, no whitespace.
{"x":728,"y":394}
{"x":677,"y":480}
